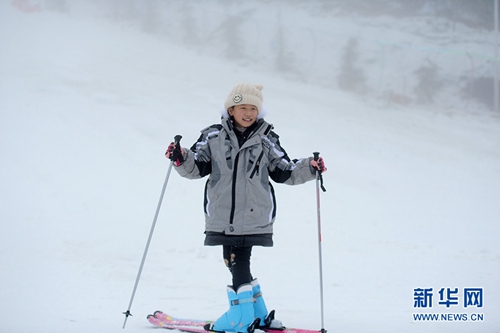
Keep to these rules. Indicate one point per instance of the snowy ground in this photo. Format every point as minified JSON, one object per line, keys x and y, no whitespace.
{"x":86,"y":112}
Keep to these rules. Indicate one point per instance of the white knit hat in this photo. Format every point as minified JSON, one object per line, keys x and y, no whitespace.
{"x":245,"y":93}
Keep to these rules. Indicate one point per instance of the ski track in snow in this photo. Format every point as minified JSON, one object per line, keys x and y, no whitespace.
{"x":87,"y":109}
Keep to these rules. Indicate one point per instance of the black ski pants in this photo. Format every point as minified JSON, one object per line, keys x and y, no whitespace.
{"x":237,"y":259}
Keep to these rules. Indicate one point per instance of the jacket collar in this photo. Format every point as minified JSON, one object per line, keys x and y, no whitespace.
{"x":260,"y":127}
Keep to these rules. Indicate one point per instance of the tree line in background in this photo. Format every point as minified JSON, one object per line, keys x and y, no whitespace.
{"x":181,"y":20}
{"x":474,"y":13}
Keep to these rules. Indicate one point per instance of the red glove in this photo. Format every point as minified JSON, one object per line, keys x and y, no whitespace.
{"x":319,"y":165}
{"x":175,"y":153}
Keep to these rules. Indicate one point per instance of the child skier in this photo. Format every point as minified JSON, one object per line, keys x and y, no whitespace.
{"x":240,"y":155}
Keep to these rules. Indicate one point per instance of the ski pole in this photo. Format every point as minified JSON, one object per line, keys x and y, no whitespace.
{"x":177,"y":140}
{"x":319,"y":178}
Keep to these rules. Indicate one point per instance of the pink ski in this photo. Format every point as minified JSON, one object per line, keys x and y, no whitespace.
{"x":167,"y":323}
{"x":169,"y":320}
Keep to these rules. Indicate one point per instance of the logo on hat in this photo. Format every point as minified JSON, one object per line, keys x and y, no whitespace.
{"x":237,"y":98}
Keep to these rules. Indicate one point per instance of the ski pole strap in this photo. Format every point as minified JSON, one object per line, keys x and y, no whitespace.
{"x":320,"y":175}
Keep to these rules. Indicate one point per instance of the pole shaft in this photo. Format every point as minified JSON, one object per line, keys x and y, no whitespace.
{"x":495,"y":85}
{"x":320,"y":254}
{"x":139,"y":273}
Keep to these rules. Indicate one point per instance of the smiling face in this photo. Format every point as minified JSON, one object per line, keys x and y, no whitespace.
{"x":244,"y":115}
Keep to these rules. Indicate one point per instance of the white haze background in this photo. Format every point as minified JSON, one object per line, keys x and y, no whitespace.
{"x":88,"y":105}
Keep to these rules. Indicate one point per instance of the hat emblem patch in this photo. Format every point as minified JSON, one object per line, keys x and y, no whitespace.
{"x":237,"y":98}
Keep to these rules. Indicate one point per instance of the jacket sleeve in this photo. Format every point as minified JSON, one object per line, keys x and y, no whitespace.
{"x":282,"y":169}
{"x":198,"y":159}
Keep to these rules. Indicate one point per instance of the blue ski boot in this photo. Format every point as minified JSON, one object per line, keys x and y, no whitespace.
{"x":241,"y":313}
{"x":267,"y":320}
{"x":259,"y":305}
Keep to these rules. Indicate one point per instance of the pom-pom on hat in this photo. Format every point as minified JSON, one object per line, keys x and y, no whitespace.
{"x":245,"y":93}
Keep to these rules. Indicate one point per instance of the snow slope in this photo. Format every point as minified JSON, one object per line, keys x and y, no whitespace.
{"x":87,"y":109}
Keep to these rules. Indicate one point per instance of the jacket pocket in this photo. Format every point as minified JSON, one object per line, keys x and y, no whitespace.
{"x":206,"y":200}
{"x":273,"y":200}
{"x":257,"y":165}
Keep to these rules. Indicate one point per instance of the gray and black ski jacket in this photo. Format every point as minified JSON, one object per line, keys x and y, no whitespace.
{"x":239,"y":198}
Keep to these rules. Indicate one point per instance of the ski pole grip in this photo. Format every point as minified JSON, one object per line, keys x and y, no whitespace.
{"x":177,"y":139}
{"x":320,"y":176}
